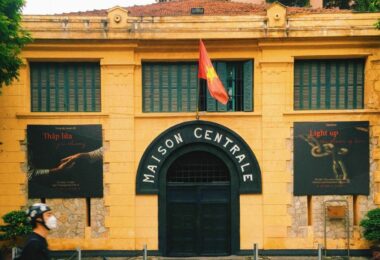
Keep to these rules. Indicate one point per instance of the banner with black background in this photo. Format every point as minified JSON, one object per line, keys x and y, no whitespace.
{"x":331,"y":158}
{"x":65,"y":161}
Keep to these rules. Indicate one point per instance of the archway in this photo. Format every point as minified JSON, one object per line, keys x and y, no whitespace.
{"x":198,"y":204}
{"x":198,"y":132}
{"x":160,"y":167}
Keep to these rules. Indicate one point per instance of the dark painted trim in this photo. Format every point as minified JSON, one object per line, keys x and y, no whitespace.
{"x":271,"y":252}
{"x":187,"y":130}
{"x":101,"y":253}
{"x":235,"y":199}
{"x":306,"y":252}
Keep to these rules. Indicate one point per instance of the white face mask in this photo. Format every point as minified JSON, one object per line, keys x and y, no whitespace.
{"x":51,"y":222}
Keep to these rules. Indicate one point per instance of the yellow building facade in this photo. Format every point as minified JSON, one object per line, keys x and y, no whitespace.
{"x":123,"y":219}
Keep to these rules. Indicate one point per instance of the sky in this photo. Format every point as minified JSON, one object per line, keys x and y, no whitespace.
{"x":64,"y":6}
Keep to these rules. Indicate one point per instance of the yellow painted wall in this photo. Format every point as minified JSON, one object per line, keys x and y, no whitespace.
{"x":133,"y":220}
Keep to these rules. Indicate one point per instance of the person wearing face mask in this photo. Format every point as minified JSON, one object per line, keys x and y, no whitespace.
{"x":42,"y":220}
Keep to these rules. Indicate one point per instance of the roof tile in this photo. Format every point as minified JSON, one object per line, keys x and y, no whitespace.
{"x":211,"y":7}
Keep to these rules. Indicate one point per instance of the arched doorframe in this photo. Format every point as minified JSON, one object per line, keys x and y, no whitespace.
{"x":195,"y":132}
{"x":235,"y":216}
{"x":212,"y":137}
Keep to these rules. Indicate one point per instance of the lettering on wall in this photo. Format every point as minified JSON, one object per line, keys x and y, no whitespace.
{"x":331,"y":158}
{"x":199,"y":132}
{"x":65,"y":161}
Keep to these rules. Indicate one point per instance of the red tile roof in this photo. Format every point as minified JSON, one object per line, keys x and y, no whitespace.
{"x":211,"y":7}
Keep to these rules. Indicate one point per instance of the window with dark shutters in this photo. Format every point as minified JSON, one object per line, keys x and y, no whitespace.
{"x":169,"y":87}
{"x":329,"y":84}
{"x":65,"y":87}
{"x":173,"y":87}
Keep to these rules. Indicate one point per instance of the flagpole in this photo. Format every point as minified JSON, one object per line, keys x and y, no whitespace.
{"x":198,"y":98}
{"x":198,"y":92}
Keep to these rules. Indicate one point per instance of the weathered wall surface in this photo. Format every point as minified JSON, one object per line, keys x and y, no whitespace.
{"x":124,"y":221}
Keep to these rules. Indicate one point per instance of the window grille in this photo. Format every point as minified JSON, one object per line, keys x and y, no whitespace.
{"x":198,"y":167}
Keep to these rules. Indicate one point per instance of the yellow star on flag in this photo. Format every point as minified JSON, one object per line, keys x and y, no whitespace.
{"x":211,"y":74}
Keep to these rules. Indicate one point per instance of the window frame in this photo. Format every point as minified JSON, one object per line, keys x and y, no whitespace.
{"x":95,"y":106}
{"x":356,"y":63}
{"x":200,"y":87}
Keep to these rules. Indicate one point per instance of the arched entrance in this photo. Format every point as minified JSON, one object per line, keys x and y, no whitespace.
{"x":198,"y":204}
{"x":198,"y":169}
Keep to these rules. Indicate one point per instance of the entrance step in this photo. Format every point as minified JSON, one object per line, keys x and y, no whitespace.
{"x":225,"y":258}
{"x":260,"y":258}
{"x":206,"y":258}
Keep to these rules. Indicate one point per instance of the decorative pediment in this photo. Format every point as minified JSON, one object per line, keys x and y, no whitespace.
{"x":117,"y":17}
{"x":276,"y":15}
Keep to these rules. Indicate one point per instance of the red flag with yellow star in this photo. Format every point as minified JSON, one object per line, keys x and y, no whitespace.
{"x":206,"y":71}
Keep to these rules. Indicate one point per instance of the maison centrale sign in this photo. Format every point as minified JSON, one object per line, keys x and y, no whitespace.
{"x":202,"y":136}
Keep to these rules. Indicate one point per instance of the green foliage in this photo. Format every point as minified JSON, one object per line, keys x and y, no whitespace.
{"x":16,"y":225}
{"x":300,"y":3}
{"x":377,"y":24}
{"x":12,"y":40}
{"x":341,"y":4}
{"x":367,"y":5}
{"x":371,"y":225}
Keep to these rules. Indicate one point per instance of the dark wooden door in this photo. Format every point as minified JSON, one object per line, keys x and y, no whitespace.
{"x":198,"y":219}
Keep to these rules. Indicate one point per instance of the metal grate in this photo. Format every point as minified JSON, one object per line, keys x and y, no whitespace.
{"x":198,"y":167}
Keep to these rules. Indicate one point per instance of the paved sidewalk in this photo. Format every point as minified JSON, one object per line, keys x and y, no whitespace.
{"x":261,"y":258}
{"x":232,"y":258}
{"x":221,"y":258}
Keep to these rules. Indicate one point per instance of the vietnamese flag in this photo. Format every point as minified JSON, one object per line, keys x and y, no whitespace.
{"x":206,"y":71}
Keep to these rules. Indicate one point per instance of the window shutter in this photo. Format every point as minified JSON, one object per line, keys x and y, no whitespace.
{"x":211,"y":102}
{"x":65,"y":87}
{"x":221,"y":70}
{"x":193,"y":88}
{"x":146,"y":79}
{"x":186,"y":89}
{"x":328,"y":84}
{"x":173,"y":83}
{"x":173,"y":87}
{"x":248,"y":85}
{"x":360,"y":84}
{"x":34,"y":89}
{"x":169,"y":87}
{"x":155,"y":92}
{"x":179,"y":87}
{"x":298,"y":98}
{"x":164,"y":90}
